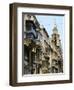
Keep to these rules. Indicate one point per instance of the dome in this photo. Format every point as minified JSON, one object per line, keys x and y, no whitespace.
{"x":55,"y":30}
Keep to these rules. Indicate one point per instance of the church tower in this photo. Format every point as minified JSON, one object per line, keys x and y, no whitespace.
{"x":57,"y":57}
{"x":56,"y":36}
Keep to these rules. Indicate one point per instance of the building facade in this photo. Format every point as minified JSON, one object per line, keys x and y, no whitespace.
{"x":42,"y":54}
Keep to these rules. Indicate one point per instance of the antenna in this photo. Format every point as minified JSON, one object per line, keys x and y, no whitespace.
{"x":55,"y":22}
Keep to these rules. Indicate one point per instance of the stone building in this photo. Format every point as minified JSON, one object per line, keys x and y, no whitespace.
{"x":41,"y":54}
{"x":56,"y":53}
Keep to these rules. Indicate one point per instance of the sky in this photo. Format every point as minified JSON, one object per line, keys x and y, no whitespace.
{"x":48,"y":22}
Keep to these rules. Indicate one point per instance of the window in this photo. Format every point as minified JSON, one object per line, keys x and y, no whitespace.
{"x":28,"y":25}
